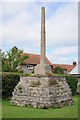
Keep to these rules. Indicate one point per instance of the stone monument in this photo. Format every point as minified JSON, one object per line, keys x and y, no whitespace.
{"x":43,"y":68}
{"x":42,"y":90}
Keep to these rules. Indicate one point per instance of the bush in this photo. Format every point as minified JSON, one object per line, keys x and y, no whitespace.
{"x":9,"y":81}
{"x":78,"y":88}
{"x":58,"y":70}
{"x":0,"y":87}
{"x":72,"y":82}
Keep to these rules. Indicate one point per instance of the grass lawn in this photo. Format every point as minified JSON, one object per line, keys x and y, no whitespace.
{"x":0,"y":109}
{"x":10,"y":111}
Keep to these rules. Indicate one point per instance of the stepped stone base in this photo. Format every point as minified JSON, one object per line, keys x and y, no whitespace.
{"x":42,"y":92}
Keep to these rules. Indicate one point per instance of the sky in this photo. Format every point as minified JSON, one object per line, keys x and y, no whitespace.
{"x":20,"y":25}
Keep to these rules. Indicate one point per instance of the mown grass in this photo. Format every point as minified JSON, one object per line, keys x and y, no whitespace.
{"x":0,"y":108}
{"x":10,"y":111}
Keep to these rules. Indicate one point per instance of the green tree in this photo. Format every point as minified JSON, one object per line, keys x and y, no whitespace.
{"x":12,"y":60}
{"x":2,"y":59}
{"x":58,"y":70}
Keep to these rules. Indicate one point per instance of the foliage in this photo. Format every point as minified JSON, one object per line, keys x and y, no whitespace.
{"x":0,"y":61}
{"x":16,"y":73}
{"x":9,"y":81}
{"x":8,"y":84}
{"x":3,"y":60}
{"x":78,"y":88}
{"x":58,"y":70}
{"x":2,"y":56}
{"x":12,"y":60}
{"x":72,"y":82}
{"x":0,"y":87}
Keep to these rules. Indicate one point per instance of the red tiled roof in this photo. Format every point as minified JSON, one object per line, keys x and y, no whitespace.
{"x":64,"y":66}
{"x":34,"y":59}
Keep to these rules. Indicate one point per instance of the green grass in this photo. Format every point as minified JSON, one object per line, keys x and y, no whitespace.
{"x":10,"y":111}
{"x":0,"y":108}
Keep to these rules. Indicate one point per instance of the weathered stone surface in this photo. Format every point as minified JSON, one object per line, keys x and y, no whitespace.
{"x":42,"y":92}
{"x":43,"y":69}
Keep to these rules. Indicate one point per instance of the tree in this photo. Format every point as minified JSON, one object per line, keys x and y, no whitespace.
{"x":58,"y":70}
{"x":13,"y":59}
{"x":2,"y":59}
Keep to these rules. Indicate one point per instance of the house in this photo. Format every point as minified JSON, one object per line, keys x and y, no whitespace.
{"x":31,"y":62}
{"x":66,"y":68}
{"x":34,"y":59}
{"x":76,"y":71}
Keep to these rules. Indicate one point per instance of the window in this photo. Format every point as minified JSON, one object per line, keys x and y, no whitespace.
{"x":29,"y":66}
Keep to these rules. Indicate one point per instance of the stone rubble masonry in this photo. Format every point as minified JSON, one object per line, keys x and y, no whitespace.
{"x":42,"y":92}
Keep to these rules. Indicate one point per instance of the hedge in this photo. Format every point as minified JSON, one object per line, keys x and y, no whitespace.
{"x":10,"y":80}
{"x":72,"y":82}
{"x":0,"y":87}
{"x":78,"y":88}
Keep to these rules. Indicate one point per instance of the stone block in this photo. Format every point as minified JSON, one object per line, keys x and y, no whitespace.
{"x":43,"y":69}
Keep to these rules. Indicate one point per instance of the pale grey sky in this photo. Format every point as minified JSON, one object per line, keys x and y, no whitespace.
{"x":21,"y":27}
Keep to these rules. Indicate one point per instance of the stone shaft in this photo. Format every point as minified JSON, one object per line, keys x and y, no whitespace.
{"x":43,"y":41}
{"x":43,"y":68}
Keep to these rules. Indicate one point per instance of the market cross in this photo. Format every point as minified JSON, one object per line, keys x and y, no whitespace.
{"x":43,"y":68}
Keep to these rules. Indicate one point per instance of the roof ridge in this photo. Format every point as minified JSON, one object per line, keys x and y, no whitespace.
{"x":32,"y":53}
{"x":37,"y":60}
{"x":62,"y":64}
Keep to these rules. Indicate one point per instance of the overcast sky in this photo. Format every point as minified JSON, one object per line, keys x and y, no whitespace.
{"x":20,"y":26}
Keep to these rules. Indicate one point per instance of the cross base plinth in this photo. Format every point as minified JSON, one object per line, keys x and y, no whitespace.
{"x":43,"y":69}
{"x":42,"y":92}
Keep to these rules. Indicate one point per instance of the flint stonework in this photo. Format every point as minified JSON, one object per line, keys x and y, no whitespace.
{"x":39,"y":92}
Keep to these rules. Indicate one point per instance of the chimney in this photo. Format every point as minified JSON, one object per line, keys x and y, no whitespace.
{"x":74,"y":62}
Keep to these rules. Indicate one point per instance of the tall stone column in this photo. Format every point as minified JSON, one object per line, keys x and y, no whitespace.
{"x":43,"y":68}
{"x":43,"y":41}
